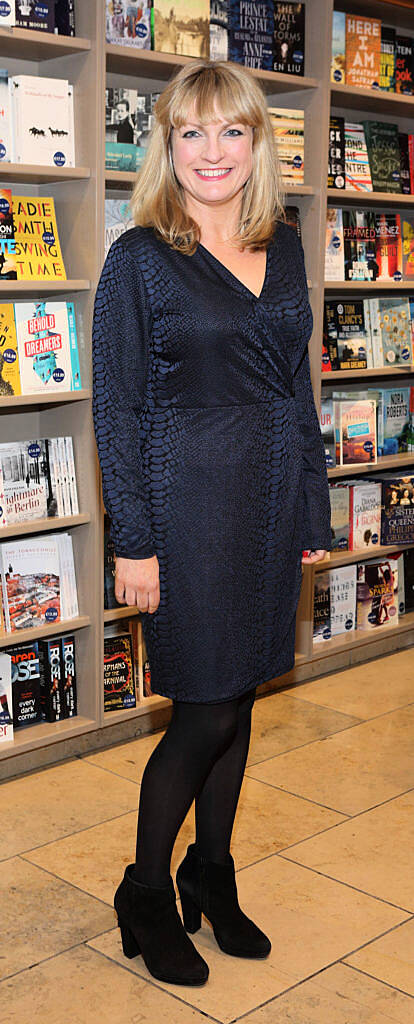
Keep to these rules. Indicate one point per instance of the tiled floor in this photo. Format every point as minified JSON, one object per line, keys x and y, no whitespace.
{"x":323,"y":844}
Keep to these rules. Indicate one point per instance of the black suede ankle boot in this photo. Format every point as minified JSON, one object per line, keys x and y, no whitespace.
{"x":209,"y":888}
{"x":151,"y":925}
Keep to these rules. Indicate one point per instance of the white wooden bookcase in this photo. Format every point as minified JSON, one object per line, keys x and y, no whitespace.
{"x":79,"y":197}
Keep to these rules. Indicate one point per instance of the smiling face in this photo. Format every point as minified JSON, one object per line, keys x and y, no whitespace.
{"x":212,"y":161}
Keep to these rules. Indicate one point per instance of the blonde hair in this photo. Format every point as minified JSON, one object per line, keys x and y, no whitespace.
{"x":158,"y":198}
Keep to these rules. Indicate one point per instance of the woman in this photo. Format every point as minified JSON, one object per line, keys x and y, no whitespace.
{"x":214,"y":477}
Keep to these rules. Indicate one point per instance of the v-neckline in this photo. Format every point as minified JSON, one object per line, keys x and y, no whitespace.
{"x":233,"y":277}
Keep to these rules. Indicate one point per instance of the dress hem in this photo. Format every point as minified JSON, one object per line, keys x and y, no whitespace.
{"x":239,"y":693}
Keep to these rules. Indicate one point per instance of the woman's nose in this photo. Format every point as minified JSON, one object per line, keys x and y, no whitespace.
{"x":212,"y":149}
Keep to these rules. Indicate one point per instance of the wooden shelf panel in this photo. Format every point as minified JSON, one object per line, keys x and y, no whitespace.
{"x":19,"y":289}
{"x":359,"y":637}
{"x":43,"y":733}
{"x":53,"y":398}
{"x":112,"y":614}
{"x":351,"y":197}
{"x":34,"y":173}
{"x":143,"y":708}
{"x":355,"y":98}
{"x":39,"y":525}
{"x":22,"y":636}
{"x":338,"y":558}
{"x":33,"y":45}
{"x":397,"y":462}
{"x":371,"y":286}
{"x":334,"y":376}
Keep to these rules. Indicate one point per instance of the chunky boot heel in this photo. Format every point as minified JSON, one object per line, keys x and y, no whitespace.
{"x":129,"y":943}
{"x":191,"y":912}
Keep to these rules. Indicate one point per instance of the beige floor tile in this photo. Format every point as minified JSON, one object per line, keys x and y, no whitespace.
{"x":280,"y":723}
{"x":41,"y":916}
{"x":365,"y":690}
{"x":43,"y":806}
{"x":82,"y":987}
{"x":311,"y":921}
{"x":126,"y":759}
{"x":351,"y":770}
{"x":267,"y":820}
{"x":372,"y":852}
{"x":391,"y":959}
{"x":337,"y":996}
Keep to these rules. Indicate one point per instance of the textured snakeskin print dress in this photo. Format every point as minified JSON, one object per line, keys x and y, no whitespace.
{"x":211,"y":454}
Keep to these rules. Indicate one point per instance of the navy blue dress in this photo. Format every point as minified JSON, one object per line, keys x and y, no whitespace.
{"x":211,"y":454}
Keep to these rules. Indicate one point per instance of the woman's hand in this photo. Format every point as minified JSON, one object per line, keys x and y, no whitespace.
{"x":137,"y":582}
{"x":314,"y":556}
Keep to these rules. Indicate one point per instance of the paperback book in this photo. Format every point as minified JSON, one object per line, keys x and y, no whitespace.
{"x":377,"y":594}
{"x":182,"y":26}
{"x":36,"y":240}
{"x":42,"y":121}
{"x":397,"y":524}
{"x":357,"y":169}
{"x":219,"y":30}
{"x":388,"y":246}
{"x":289,"y":131}
{"x":128,"y":24}
{"x":404,"y":73}
{"x":355,"y":432}
{"x":364,"y":515}
{"x":9,"y":356}
{"x":47,"y":347}
{"x":6,"y":706}
{"x":119,"y":689}
{"x":342,"y":597}
{"x":250,"y":33}
{"x":338,"y":47}
{"x":339,"y":499}
{"x":387,"y":59}
{"x":289,"y":38}
{"x":384,"y":155}
{"x":38,"y":15}
{"x":360,"y":245}
{"x":363,"y":51}
{"x":334,"y":245}
{"x":336,"y":153}
{"x":25,"y":678}
{"x":321,"y":608}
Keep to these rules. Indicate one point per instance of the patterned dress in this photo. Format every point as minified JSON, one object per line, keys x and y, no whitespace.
{"x":211,"y":454}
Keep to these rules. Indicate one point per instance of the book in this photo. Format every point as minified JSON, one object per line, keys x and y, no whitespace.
{"x":342,"y":594}
{"x":69,"y":686}
{"x":65,"y":23}
{"x":8,"y":13}
{"x":26,"y":490}
{"x":110,"y":600}
{"x":293,"y":219}
{"x":336,"y":153}
{"x":6,"y":705}
{"x":182,"y":26}
{"x":363,"y":51}
{"x":395,"y":331}
{"x":327,"y":426}
{"x":384,"y":155}
{"x":289,"y":38}
{"x":38,"y":16}
{"x":25,"y":677}
{"x":128,"y":124}
{"x":321,"y":608}
{"x":37,"y":579}
{"x":388,"y":246}
{"x":404,"y":77}
{"x":5,"y":138}
{"x":9,"y":355}
{"x":129,"y":24}
{"x":395,"y":410}
{"x":6,"y":215}
{"x":288,"y":127}
{"x":364,"y":515}
{"x":360,"y":245}
{"x":42,"y":115}
{"x":118,"y":218}
{"x":377,"y":594}
{"x":250,"y":33}
{"x":387,"y":59}
{"x":37,"y":246}
{"x":47,"y":347}
{"x":51,"y":688}
{"x":338,"y":47}
{"x":405,"y":174}
{"x":339,"y":501}
{"x":348,"y":322}
{"x":219,"y":26}
{"x":357,"y":169}
{"x":407,"y":232}
{"x":355,"y":431}
{"x":408,"y":557}
{"x":334,"y":245}
{"x":119,"y":689}
{"x":397,"y":521}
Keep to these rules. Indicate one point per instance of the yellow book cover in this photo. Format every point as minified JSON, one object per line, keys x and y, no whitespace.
{"x":37,"y":248}
{"x":9,"y":354}
{"x":363,"y":51}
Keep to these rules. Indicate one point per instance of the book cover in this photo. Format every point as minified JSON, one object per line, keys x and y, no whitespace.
{"x":128,"y":123}
{"x":336,"y":153}
{"x":384,"y":155}
{"x":110,"y":600}
{"x":7,"y":13}
{"x":289,"y":129}
{"x":355,"y":429}
{"x":129,"y":24}
{"x":360,"y":245}
{"x":327,"y":426}
{"x":119,"y":688}
{"x":6,"y":215}
{"x":363,"y":51}
{"x":43,"y":121}
{"x":408,"y":556}
{"x":250,"y":39}
{"x":367,"y":318}
{"x":73,"y":488}
{"x":339,"y":500}
{"x":334,"y":245}
{"x":9,"y":356}
{"x":397,"y":521}
{"x":25,"y":676}
{"x":342,"y":589}
{"x":387,"y":59}
{"x":65,"y":23}
{"x":321,"y":608}
{"x":395,"y":329}
{"x":45,"y":347}
{"x":6,"y":705}
{"x":330,"y":359}
{"x":70,"y":699}
{"x":407,"y":231}
{"x":27,"y":485}
{"x":377,"y":594}
{"x":405,"y":174}
{"x":118,"y":218}
{"x":38,"y":252}
{"x":219,"y":30}
{"x":396,"y":420}
{"x":31,"y":579}
{"x":404,"y":78}
{"x":411,"y":160}
{"x":182,"y":26}
{"x":50,"y":659}
{"x":388,"y":247}
{"x":293,"y":219}
{"x":351,"y":337}
{"x":364,"y":515}
{"x":289,"y":38}
{"x":338,"y":47}
{"x":357,"y":169}
{"x":38,"y":15}
{"x":5,"y":140}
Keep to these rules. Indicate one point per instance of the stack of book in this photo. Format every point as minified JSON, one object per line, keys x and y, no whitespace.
{"x":360,"y":334}
{"x":364,"y":245}
{"x":38,"y":581}
{"x":370,"y":156}
{"x":372,"y":513}
{"x":29,"y":240}
{"x":357,"y":426}
{"x":371,"y":55}
{"x":37,"y":480}
{"x":37,"y":683}
{"x":127,"y":672}
{"x":38,"y":348}
{"x":36,"y":120}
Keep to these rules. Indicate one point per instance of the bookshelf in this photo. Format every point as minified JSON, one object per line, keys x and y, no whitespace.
{"x":79,"y":195}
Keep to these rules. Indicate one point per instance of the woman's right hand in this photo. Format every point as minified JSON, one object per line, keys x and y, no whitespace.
{"x":137,"y":582}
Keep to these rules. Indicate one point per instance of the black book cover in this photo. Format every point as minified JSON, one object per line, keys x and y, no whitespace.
{"x":38,"y":15}
{"x":387,"y":59}
{"x":404,"y":78}
{"x":404,"y":164}
{"x":119,"y":688}
{"x":322,"y":607}
{"x":384,"y":155}
{"x":51,"y":679}
{"x":65,"y":17}
{"x":289,"y":38}
{"x":25,"y":674}
{"x":109,"y":567}
{"x":359,"y":245}
{"x":397,"y":512}
{"x":336,"y":153}
{"x":69,"y":688}
{"x":330,"y":334}
{"x":409,"y":579}
{"x":250,"y":33}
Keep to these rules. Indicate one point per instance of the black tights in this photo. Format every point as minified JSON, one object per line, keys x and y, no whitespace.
{"x":201,"y":756}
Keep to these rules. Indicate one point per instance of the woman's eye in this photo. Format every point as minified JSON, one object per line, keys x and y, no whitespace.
{"x":235,"y":131}
{"x":188,"y":134}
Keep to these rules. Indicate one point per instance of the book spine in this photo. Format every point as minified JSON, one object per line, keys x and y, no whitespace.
{"x":4,"y":589}
{"x":76,"y":384}
{"x":70,"y":708}
{"x":411,"y":159}
{"x":64,"y":472}
{"x":50,"y":680}
{"x":3,"y":515}
{"x":72,"y":475}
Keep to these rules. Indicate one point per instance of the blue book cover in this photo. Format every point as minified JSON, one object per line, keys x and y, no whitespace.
{"x":250,"y":29}
{"x":36,"y":14}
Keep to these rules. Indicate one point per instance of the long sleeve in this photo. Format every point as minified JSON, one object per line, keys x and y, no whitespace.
{"x":317,"y":533}
{"x":119,"y":357}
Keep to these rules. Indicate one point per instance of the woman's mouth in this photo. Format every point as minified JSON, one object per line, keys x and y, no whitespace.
{"x":212,"y":173}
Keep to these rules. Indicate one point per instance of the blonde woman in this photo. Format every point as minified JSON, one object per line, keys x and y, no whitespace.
{"x":214,"y":477}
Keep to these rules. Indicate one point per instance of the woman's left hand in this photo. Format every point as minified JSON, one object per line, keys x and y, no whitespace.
{"x":314,"y":556}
